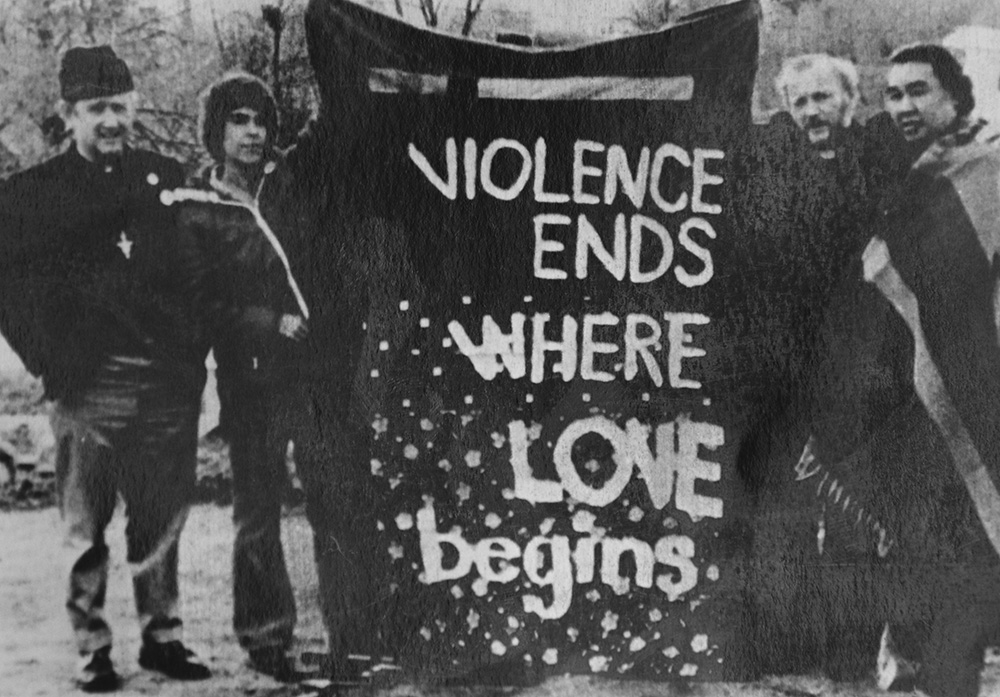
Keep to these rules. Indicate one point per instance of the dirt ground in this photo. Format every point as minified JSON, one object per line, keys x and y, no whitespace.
{"x":37,"y":657}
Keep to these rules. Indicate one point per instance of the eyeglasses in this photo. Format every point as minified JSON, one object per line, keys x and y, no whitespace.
{"x":238,"y":118}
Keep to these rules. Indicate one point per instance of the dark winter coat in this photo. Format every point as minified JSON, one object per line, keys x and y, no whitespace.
{"x":91,"y":267}
{"x":936,"y":260}
{"x":243,"y":285}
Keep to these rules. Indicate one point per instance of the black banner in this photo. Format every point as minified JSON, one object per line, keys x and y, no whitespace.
{"x":559,"y":394}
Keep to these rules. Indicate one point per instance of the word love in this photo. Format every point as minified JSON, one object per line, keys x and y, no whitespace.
{"x":606,"y":165}
{"x":671,"y":470}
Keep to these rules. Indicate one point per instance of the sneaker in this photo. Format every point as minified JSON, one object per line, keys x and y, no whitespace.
{"x":174,"y":660}
{"x":96,"y":673}
{"x":273,"y":661}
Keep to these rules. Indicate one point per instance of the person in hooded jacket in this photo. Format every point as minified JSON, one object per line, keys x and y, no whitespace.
{"x":255,"y":313}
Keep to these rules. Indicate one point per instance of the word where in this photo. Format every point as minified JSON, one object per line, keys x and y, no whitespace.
{"x":641,"y":338}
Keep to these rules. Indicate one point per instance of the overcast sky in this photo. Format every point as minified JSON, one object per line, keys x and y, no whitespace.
{"x":581,"y":14}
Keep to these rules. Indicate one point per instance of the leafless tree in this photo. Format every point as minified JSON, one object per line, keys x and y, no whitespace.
{"x":430,"y":10}
{"x":472,"y":9}
{"x":649,"y":15}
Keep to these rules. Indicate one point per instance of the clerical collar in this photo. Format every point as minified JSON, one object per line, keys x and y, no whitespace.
{"x":106,"y":165}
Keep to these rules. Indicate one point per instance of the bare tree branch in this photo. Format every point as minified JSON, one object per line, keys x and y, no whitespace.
{"x":472,"y":9}
{"x":141,"y":26}
{"x":217,"y":30}
{"x":649,"y":15}
{"x":429,"y":9}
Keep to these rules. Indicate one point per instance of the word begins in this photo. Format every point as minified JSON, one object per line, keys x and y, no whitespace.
{"x":615,"y":173}
{"x":492,"y":557}
{"x":640,"y":337}
{"x":672,"y":470}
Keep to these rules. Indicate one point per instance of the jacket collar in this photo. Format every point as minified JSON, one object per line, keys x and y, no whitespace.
{"x":212,"y":178}
{"x":965,"y":132}
{"x":80,"y":163}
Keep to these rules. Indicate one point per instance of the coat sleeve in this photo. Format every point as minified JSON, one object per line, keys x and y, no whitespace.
{"x":23,"y":265}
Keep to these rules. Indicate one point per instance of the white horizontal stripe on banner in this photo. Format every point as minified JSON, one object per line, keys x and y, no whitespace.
{"x":602,"y":88}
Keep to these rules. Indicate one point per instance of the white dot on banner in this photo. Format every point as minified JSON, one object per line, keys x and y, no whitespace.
{"x":466,"y":300}
{"x":529,"y":398}
{"x":383,"y":346}
{"x":707,"y":402}
{"x":406,"y":402}
{"x":645,"y":396}
{"x":425,"y":322}
{"x":528,"y":298}
{"x":404,"y":305}
{"x":374,"y":372}
{"x":585,"y":397}
{"x":468,"y":399}
{"x":364,"y":326}
{"x":436,"y":372}
{"x":415,"y":352}
{"x":446,"y":342}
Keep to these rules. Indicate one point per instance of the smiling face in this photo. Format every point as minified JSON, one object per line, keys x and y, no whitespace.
{"x":101,"y":126}
{"x":244,"y":139}
{"x":921,"y":108}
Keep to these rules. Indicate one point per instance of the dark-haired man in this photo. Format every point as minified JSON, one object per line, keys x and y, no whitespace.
{"x":284,"y":252}
{"x":250,"y":299}
{"x":935,"y":260}
{"x":91,"y":302}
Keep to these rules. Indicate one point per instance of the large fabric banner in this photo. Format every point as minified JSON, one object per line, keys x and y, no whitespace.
{"x":556,"y":400}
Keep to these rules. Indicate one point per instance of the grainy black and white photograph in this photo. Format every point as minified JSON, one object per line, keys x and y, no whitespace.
{"x":496,"y":348}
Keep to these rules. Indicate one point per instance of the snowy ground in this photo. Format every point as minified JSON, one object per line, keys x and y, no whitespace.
{"x":37,"y":657}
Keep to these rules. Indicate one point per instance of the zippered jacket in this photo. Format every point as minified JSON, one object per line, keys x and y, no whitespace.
{"x":241,"y":280}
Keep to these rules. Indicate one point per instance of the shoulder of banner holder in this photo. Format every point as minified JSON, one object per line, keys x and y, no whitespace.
{"x":169,"y":197}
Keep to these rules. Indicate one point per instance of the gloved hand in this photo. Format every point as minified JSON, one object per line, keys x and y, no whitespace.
{"x":293,"y":327}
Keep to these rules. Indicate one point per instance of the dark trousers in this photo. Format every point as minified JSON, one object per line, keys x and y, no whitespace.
{"x":263,"y":602}
{"x":944,"y":615}
{"x":341,"y":505}
{"x":133,"y":432}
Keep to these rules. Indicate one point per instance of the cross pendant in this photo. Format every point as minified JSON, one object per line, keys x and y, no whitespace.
{"x":125,"y":244}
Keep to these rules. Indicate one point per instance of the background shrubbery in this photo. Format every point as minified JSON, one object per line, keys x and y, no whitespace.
{"x":175,"y":50}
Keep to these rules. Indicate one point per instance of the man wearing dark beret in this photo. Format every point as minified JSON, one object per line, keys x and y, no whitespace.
{"x":93,"y":302}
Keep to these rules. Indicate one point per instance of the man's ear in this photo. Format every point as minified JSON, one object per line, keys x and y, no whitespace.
{"x":65,"y":109}
{"x":850,"y":111}
{"x":134,"y":100}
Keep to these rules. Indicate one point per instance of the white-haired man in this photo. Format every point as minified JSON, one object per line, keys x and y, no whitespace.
{"x":821,"y":94}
